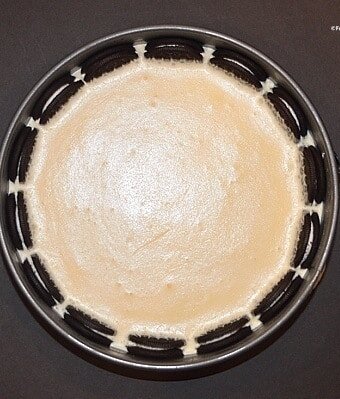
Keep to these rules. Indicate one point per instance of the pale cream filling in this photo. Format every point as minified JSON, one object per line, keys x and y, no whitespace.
{"x":165,"y":198}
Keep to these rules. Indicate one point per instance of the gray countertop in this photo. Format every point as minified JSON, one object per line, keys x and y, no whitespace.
{"x":34,"y":36}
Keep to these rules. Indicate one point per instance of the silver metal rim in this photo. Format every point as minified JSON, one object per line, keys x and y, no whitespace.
{"x":197,"y":363}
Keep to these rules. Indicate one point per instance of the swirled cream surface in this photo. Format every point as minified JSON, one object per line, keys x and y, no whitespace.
{"x":165,"y":198}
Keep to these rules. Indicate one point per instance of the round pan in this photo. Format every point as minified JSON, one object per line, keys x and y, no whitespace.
{"x":79,"y":333}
